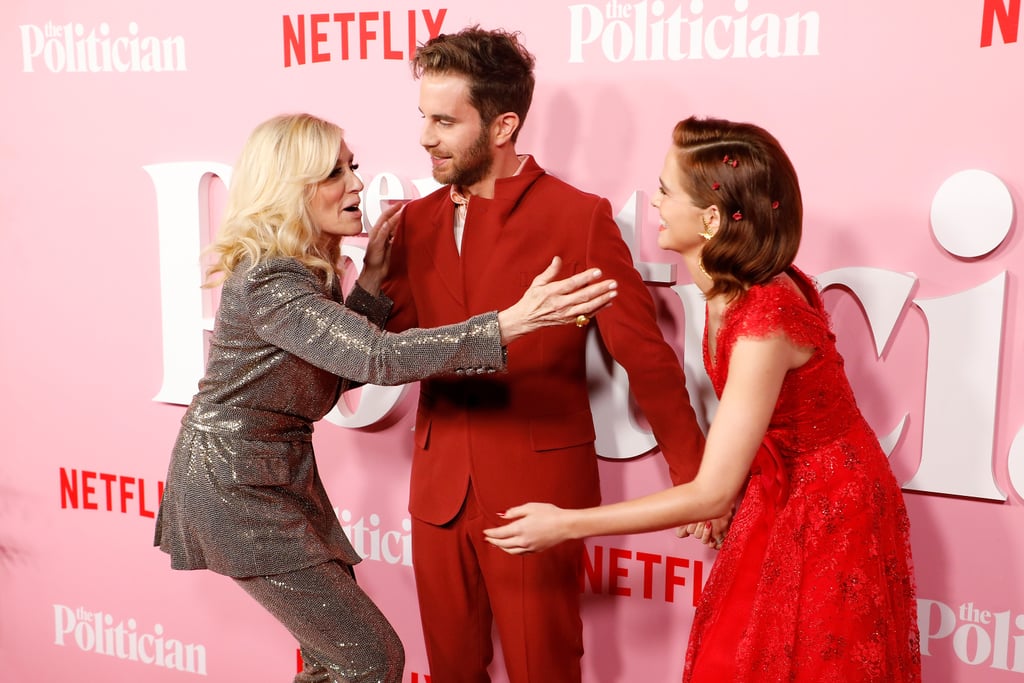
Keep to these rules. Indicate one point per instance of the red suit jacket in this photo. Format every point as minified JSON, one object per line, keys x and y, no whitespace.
{"x":528,"y":434}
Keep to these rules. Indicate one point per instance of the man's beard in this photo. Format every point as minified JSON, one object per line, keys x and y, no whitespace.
{"x":474,"y":165}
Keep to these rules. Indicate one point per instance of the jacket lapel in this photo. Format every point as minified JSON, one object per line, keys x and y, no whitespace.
{"x":487,"y":218}
{"x":444,"y":253}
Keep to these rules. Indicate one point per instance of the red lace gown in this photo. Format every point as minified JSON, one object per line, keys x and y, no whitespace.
{"x":814,"y":582}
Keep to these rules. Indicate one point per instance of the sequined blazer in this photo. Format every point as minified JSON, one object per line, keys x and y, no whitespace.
{"x":243,"y":496}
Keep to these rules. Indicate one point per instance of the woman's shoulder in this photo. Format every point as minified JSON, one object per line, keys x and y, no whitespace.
{"x":788,"y":302}
{"x":276,"y":272}
{"x":275,"y":265}
{"x":764,"y":298}
{"x":792,"y":287}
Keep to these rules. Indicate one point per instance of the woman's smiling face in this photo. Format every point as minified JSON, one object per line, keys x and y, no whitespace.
{"x":681,"y":220}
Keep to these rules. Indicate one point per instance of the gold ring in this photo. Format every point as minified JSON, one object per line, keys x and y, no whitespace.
{"x":582,"y":320}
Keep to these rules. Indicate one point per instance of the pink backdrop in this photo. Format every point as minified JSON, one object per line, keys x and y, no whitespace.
{"x":902,"y":120}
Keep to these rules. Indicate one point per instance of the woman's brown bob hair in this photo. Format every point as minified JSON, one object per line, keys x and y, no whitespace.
{"x":743,"y":170}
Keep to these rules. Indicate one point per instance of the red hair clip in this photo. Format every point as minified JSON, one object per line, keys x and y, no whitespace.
{"x":775,"y":204}
{"x":737,"y":216}
{"x":715,"y":186}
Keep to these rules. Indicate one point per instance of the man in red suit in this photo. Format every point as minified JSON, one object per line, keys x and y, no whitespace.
{"x":484,"y":443}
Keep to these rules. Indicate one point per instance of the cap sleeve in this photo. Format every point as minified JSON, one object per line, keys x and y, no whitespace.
{"x":777,"y":307}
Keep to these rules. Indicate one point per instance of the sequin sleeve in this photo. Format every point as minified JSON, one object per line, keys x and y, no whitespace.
{"x":289,"y":309}
{"x":374,"y":308}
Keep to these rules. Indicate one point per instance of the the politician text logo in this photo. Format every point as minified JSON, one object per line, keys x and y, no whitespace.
{"x":655,"y":30}
{"x":76,"y":48}
{"x":977,"y":636}
{"x":103,"y":634}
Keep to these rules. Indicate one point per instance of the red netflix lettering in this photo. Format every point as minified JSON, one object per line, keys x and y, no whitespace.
{"x":378,"y":33}
{"x":623,"y":573}
{"x":1008,"y":17}
{"x":79,"y":490}
{"x":615,"y":571}
{"x":318,"y":37}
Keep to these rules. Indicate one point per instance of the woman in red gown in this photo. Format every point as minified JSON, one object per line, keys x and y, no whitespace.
{"x":815,"y":582}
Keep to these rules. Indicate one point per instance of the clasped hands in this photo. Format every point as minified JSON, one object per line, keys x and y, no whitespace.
{"x":710,"y":533}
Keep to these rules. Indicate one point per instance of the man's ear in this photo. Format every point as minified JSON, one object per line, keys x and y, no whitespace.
{"x":504,"y":127}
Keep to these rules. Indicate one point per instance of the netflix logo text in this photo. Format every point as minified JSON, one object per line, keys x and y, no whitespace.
{"x":1001,"y":14}
{"x":344,"y":36}
{"x":87,"y":490}
{"x":633,"y":573}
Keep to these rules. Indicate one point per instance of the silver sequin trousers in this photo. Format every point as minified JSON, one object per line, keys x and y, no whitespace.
{"x":343,"y":636}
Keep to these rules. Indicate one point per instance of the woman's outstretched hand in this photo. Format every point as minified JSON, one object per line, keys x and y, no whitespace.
{"x":532,"y":527}
{"x":378,"y":249}
{"x":547,"y":302}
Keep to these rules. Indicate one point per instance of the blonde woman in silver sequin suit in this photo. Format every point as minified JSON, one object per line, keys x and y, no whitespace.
{"x":243,"y":496}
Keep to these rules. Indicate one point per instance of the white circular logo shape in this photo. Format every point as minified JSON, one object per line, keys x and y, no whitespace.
{"x":971,"y":213}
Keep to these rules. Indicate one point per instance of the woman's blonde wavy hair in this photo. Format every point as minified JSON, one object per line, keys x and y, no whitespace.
{"x":267,"y":211}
